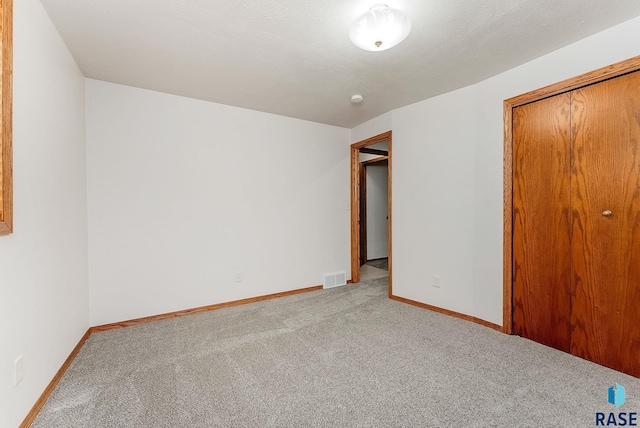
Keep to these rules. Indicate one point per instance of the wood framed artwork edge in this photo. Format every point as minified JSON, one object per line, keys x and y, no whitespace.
{"x":6,"y":119}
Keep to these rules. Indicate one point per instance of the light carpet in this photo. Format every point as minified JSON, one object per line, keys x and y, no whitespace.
{"x":368,"y":273}
{"x":344,"y":357}
{"x":379,"y":263}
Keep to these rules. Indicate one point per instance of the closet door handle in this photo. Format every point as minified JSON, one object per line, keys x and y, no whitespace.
{"x":607,"y":213}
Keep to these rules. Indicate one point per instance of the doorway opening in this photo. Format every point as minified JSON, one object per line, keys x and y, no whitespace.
{"x":371,"y":223}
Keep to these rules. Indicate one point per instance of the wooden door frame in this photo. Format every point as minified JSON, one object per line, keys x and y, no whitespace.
{"x":362,"y":212}
{"x":355,"y":203}
{"x":6,"y":117}
{"x":363,"y":205}
{"x":615,"y":70}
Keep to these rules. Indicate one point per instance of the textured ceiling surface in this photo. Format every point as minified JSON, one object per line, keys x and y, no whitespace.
{"x":294,"y":58}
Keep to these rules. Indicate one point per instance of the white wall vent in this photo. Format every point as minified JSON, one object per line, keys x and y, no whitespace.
{"x":335,"y":279}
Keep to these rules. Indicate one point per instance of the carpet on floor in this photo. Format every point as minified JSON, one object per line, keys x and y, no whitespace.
{"x":343,"y":357}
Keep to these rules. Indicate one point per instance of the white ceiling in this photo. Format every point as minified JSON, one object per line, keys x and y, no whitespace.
{"x":294,"y":57}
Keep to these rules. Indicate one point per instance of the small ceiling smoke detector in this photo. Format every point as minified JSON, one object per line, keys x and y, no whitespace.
{"x":356,"y":99}
{"x":380,"y":28}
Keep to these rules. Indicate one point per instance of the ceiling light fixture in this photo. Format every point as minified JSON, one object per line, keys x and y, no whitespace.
{"x":380,"y":28}
{"x":356,"y":99}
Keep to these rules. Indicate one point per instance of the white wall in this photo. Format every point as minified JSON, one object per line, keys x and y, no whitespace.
{"x":447,"y":207}
{"x":433,"y":201}
{"x":44,"y":298}
{"x":373,"y":127}
{"x":184,"y":193}
{"x":377,"y":210}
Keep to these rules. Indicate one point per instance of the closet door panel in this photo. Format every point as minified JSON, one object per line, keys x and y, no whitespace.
{"x":541,"y":264}
{"x":605,"y":242}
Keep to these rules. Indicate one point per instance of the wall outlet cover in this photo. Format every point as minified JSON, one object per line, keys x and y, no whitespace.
{"x":437,"y":280}
{"x":18,"y":370}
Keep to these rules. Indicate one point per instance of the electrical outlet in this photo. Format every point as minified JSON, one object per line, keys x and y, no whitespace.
{"x":436,"y":281}
{"x":18,"y":370}
{"x":239,"y":276}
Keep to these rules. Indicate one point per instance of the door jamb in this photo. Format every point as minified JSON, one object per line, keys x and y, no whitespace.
{"x":363,"y":206}
{"x":615,"y":70}
{"x":355,"y":204}
{"x":362,"y":212}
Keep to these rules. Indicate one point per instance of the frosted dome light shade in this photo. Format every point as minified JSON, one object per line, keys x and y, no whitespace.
{"x":380,"y":28}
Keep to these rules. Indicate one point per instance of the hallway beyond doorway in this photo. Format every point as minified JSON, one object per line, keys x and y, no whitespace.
{"x":374,"y":269}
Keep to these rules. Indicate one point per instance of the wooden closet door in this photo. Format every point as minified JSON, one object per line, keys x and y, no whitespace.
{"x":541,"y":251}
{"x":605,"y":319}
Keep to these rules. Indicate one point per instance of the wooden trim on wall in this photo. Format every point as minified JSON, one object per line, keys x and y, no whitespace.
{"x":389,"y":193}
{"x":609,"y":72}
{"x":33,"y":413}
{"x":6,"y":119}
{"x":448,"y":312}
{"x":373,"y":140}
{"x":169,"y":315}
{"x":355,"y":203}
{"x":31,"y":416}
{"x":355,"y":212}
{"x":507,"y":228}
